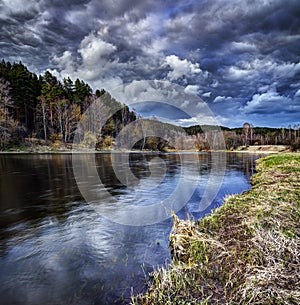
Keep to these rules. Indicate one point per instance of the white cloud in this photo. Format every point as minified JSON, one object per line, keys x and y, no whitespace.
{"x":295,"y":85}
{"x":180,"y":21}
{"x":180,"y":67}
{"x":143,"y":29}
{"x":206,"y":94}
{"x":191,"y":89}
{"x":250,"y":70}
{"x":219,"y":99}
{"x":77,"y":16}
{"x":156,"y":46}
{"x":236,"y":73}
{"x":65,"y":62}
{"x":186,"y":122}
{"x":162,"y":92}
{"x":268,"y":102}
{"x":110,"y":84}
{"x":285,"y":69}
{"x":93,"y":49}
{"x":263,"y":89}
{"x":91,"y":64}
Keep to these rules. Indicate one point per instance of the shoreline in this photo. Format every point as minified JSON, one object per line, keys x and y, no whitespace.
{"x":246,"y":252}
{"x":260,"y":149}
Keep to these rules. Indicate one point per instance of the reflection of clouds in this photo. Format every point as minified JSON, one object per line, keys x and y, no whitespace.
{"x":45,"y":257}
{"x":87,"y":257}
{"x":126,"y":253}
{"x":100,"y":238}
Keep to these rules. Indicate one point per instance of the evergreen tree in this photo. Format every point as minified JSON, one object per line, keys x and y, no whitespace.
{"x":25,"y":90}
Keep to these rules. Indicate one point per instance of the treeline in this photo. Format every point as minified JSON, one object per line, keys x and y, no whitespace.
{"x":46,"y":109}
{"x":246,"y":135}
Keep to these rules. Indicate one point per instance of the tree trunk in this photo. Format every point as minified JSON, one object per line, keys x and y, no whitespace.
{"x":44,"y":120}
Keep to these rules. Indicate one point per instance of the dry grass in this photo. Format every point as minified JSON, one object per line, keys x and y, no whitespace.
{"x":246,"y":252}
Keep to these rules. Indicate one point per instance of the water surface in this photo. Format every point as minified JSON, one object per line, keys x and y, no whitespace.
{"x":55,"y":248}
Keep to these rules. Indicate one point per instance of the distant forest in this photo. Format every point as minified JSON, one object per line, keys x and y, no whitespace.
{"x":40,"y":110}
{"x":250,"y":135}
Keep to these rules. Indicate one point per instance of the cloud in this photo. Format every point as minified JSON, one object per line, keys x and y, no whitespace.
{"x":206,"y":94}
{"x":220,"y":99}
{"x":92,"y":61}
{"x":265,"y":109}
{"x":180,"y":68}
{"x":192,"y":89}
{"x":271,"y":102}
{"x":93,"y":49}
{"x":247,"y":50}
{"x":65,"y":62}
{"x":235,"y":74}
{"x":187,"y":108}
{"x":19,"y":7}
{"x":240,"y":46}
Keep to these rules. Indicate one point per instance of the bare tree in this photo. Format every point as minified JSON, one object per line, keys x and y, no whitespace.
{"x":246,"y":133}
{"x":42,"y":112}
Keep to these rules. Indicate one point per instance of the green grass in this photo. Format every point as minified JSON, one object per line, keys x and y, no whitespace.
{"x":282,"y":160}
{"x":245,"y":252}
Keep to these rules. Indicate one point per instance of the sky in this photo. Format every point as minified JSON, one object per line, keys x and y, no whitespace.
{"x":237,"y":60}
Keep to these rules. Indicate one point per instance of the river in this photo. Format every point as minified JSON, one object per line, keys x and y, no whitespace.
{"x":56,"y":247}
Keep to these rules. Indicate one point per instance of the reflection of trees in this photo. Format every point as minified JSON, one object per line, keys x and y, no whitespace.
{"x":138,"y":166}
{"x":37,"y":186}
{"x":139,"y":163}
{"x":242,"y":162}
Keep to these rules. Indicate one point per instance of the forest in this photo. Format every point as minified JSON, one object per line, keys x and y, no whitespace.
{"x":42,"y":110}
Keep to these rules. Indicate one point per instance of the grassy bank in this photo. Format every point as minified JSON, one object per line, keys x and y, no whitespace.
{"x":246,"y":252}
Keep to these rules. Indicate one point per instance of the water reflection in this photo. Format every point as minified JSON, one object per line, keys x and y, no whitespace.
{"x":55,"y":249}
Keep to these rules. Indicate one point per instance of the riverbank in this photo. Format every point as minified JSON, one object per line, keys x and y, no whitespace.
{"x":246,"y":252}
{"x":268,"y":149}
{"x":48,"y":149}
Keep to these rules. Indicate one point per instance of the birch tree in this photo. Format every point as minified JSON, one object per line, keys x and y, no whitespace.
{"x":7,"y":124}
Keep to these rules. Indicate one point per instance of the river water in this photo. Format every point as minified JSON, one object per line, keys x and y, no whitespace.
{"x":58,"y":248}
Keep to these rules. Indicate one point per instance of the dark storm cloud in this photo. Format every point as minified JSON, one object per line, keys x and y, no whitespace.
{"x":42,"y":25}
{"x":241,"y":56}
